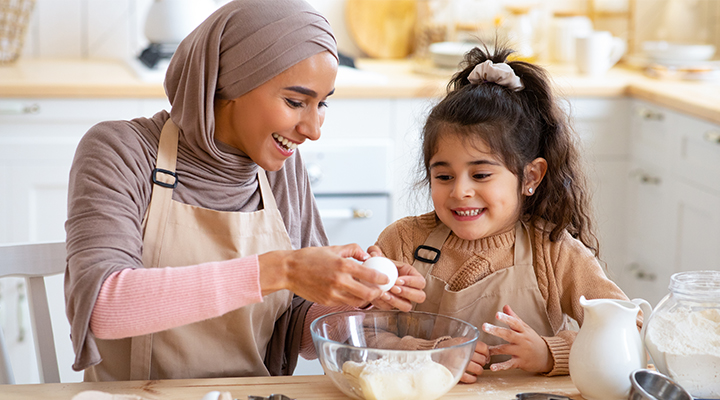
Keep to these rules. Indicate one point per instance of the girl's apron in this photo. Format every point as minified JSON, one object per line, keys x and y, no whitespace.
{"x":478,"y":303}
{"x":177,"y":234}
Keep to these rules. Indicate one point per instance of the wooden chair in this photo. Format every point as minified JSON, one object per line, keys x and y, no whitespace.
{"x":34,"y":262}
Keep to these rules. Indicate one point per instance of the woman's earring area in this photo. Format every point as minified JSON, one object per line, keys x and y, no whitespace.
{"x":530,"y":191}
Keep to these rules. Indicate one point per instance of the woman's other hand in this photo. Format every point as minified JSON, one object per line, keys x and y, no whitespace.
{"x":528,"y":350}
{"x":408,"y":288}
{"x":325,"y":275}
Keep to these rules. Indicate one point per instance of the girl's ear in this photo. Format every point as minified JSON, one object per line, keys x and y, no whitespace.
{"x":534,"y":174}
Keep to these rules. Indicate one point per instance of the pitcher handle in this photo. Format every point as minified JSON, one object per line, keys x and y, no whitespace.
{"x":647,"y":310}
{"x":618,"y":50}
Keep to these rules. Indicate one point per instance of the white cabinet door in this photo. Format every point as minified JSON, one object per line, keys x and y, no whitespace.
{"x":648,"y":233}
{"x":408,"y":122}
{"x":649,"y":207}
{"x":695,"y":228}
{"x":674,"y":199}
{"x":602,"y":125}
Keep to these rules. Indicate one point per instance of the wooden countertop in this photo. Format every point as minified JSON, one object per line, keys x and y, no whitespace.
{"x":75,"y":78}
{"x":490,"y":386}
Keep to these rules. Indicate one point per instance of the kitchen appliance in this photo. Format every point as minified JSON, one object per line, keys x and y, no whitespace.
{"x":166,"y":25}
{"x":359,"y":351}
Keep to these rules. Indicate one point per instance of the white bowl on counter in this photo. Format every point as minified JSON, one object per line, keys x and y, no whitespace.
{"x":449,"y":54}
{"x":669,"y":53}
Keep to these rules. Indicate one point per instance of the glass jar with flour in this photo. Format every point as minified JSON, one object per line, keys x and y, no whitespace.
{"x":683,"y":333}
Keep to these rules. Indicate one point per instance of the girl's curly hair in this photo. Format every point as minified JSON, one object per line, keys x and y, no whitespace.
{"x":519,"y":126}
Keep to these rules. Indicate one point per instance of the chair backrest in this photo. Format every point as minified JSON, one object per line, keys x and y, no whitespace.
{"x":34,"y":261}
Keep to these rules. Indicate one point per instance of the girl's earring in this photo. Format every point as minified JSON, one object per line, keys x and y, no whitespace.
{"x":530,"y":190}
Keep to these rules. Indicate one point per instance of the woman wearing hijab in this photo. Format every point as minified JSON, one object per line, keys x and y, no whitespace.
{"x":181,"y":227}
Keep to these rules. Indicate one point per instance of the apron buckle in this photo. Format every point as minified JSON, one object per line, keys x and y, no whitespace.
{"x":161,"y":183}
{"x":424,"y":259}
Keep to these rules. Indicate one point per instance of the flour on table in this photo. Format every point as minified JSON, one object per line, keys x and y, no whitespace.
{"x":401,"y":378}
{"x":689,"y":341}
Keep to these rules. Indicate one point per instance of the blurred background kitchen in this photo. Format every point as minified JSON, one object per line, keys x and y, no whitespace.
{"x":115,"y":28}
{"x":650,"y":124}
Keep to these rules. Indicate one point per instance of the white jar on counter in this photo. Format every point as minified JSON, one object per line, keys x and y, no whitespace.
{"x":565,"y":28}
{"x":683,"y":333}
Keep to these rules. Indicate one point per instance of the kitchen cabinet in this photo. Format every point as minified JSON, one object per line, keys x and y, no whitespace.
{"x":603,"y":125}
{"x":674,"y":199}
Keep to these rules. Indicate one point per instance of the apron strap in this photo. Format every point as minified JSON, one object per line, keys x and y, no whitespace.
{"x":523,"y":245}
{"x":430,"y":251}
{"x":164,"y":181}
{"x":265,"y":191}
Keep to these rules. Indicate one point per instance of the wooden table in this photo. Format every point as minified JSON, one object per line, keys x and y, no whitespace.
{"x":490,"y":386}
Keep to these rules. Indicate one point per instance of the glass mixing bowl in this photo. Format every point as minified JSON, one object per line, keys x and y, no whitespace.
{"x":363,"y":353}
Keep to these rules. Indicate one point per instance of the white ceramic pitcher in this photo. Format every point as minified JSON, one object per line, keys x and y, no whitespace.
{"x":596,"y":52}
{"x":608,"y":348}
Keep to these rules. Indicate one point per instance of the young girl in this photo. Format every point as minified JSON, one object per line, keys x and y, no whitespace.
{"x":510,"y":238}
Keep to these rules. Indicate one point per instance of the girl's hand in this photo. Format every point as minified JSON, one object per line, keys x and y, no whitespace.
{"x":408,"y":288}
{"x":480,"y":357}
{"x":528,"y":350}
{"x":325,"y":275}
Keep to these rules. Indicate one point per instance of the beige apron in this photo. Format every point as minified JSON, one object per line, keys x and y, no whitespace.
{"x":177,"y":234}
{"x":478,"y":303}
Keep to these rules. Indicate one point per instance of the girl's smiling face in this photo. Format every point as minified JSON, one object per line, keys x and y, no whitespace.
{"x":270,"y":121}
{"x":474,"y":194}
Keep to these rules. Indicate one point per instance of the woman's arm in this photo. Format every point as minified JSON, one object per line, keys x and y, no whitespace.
{"x":135,"y":302}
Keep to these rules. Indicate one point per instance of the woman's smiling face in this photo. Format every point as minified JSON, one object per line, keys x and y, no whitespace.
{"x":270,"y":121}
{"x":474,"y":194}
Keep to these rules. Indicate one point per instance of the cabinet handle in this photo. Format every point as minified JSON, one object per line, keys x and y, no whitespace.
{"x":645,"y":178}
{"x":712,"y":137}
{"x":19,"y":108}
{"x":649,"y":115}
{"x":641,"y":274}
{"x":346,"y":213}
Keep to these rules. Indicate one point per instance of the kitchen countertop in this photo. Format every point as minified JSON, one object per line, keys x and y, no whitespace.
{"x":75,"y":78}
{"x":502,"y":385}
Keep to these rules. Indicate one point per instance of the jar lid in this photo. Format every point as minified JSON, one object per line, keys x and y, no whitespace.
{"x":698,"y":283}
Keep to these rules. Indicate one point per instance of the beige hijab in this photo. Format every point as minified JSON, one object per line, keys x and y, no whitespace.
{"x":239,"y":47}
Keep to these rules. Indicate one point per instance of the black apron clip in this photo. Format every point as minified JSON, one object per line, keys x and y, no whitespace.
{"x":161,"y":183}
{"x":427,"y":260}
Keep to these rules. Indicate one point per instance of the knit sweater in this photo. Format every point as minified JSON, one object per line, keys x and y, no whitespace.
{"x":565,"y":269}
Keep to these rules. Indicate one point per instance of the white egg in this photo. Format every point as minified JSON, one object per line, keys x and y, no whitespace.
{"x":384,"y":266}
